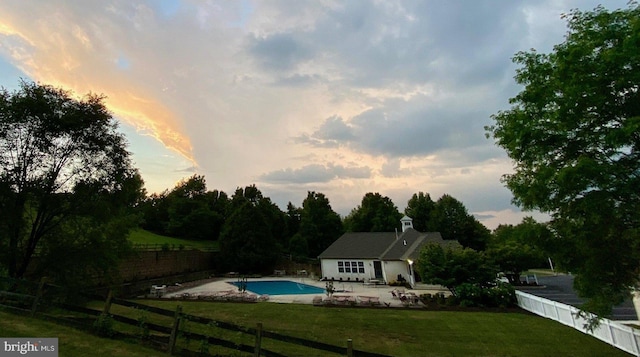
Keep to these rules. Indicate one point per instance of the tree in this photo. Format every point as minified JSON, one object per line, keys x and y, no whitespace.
{"x":155,"y":212}
{"x":375,"y":214}
{"x":187,"y":211}
{"x":194,"y":212}
{"x":420,"y":208}
{"x":252,"y":236}
{"x":246,"y":242}
{"x":573,"y":133}
{"x":319,"y":225}
{"x":451,"y":219}
{"x":515,"y":249}
{"x":66,"y":179}
{"x":452,"y":267}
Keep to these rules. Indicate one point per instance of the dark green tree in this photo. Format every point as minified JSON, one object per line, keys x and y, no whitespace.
{"x":155,"y":212}
{"x":452,"y":267}
{"x":246,"y":242}
{"x":319,"y":225}
{"x":66,"y":180}
{"x":376,"y":213}
{"x":189,"y":213}
{"x":270,"y":230}
{"x":515,"y":249}
{"x":102,"y":224}
{"x":451,"y":218}
{"x":294,"y":215}
{"x":420,"y":208}
{"x":573,"y":133}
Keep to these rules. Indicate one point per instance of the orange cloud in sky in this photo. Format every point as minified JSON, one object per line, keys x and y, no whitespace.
{"x":71,"y":59}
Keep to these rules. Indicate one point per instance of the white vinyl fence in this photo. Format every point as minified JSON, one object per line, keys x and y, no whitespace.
{"x":613,"y":333}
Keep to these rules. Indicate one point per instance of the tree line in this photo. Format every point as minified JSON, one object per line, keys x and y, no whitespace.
{"x":249,"y":225}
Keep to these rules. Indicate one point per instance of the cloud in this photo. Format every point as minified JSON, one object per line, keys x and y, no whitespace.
{"x":279,"y":52}
{"x":190,"y":169}
{"x":316,"y":173}
{"x":73,"y":48}
{"x":394,"y":131}
{"x":342,"y":98}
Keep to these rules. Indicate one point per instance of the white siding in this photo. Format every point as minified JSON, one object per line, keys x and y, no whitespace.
{"x":393,"y":268}
{"x":330,"y":270}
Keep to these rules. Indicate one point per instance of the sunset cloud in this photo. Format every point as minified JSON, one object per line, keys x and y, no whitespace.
{"x":342,"y":98}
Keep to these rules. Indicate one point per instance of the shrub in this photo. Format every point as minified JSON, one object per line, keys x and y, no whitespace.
{"x":103,"y":325}
{"x":472,"y":295}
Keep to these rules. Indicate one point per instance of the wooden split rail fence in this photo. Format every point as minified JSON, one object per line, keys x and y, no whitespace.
{"x":31,"y":298}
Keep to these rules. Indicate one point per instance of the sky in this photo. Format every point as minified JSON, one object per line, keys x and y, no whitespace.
{"x":338,"y":97}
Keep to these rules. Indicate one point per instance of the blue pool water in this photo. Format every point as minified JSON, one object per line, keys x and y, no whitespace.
{"x":280,"y":287}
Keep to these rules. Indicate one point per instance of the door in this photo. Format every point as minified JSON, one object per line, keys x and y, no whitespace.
{"x":377,"y":268}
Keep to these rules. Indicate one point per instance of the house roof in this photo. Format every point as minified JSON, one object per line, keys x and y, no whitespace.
{"x":382,"y":245}
{"x":362,"y":245}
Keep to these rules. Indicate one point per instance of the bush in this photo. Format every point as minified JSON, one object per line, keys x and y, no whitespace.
{"x":103,"y":326}
{"x":502,"y":295}
{"x":472,"y":295}
{"x":404,"y":284}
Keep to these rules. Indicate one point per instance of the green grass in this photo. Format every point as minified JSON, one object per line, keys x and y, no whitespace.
{"x":392,"y":331}
{"x":72,"y":342}
{"x":397,"y":332}
{"x":539,"y":272}
{"x":141,"y":236}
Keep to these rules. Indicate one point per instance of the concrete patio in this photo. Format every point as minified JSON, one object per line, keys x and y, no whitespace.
{"x":350,"y":290}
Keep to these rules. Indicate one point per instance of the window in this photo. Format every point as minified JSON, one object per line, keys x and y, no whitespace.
{"x":351,"y":267}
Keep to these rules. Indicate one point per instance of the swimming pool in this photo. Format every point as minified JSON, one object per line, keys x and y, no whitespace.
{"x":280,"y":287}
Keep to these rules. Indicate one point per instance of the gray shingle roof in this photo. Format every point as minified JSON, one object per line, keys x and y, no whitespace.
{"x":363,"y":245}
{"x":383,"y":245}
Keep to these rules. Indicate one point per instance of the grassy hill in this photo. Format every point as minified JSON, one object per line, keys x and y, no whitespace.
{"x":143,"y":237}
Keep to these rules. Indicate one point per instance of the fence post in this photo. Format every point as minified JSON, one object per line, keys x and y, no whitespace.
{"x":174,"y":330}
{"x":349,"y":348}
{"x":36,"y":300}
{"x":107,"y":303}
{"x":256,"y":352}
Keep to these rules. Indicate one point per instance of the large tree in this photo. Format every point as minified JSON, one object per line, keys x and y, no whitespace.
{"x":376,"y":213}
{"x":515,"y":249}
{"x":66,"y":181}
{"x":453,"y":266}
{"x":451,"y":218}
{"x":187,"y":211}
{"x":420,"y":208}
{"x":249,"y":241}
{"x":319,"y":226}
{"x":194,"y":212}
{"x":573,"y":133}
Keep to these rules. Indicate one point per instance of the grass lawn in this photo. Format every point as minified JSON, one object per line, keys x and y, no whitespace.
{"x":399,"y":332}
{"x":72,"y":342}
{"x":141,"y":236}
{"x":395,"y":332}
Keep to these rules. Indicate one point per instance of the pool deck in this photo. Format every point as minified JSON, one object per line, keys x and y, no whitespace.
{"x":349,"y":290}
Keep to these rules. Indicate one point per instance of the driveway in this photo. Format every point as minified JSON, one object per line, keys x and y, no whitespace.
{"x":560,"y":288}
